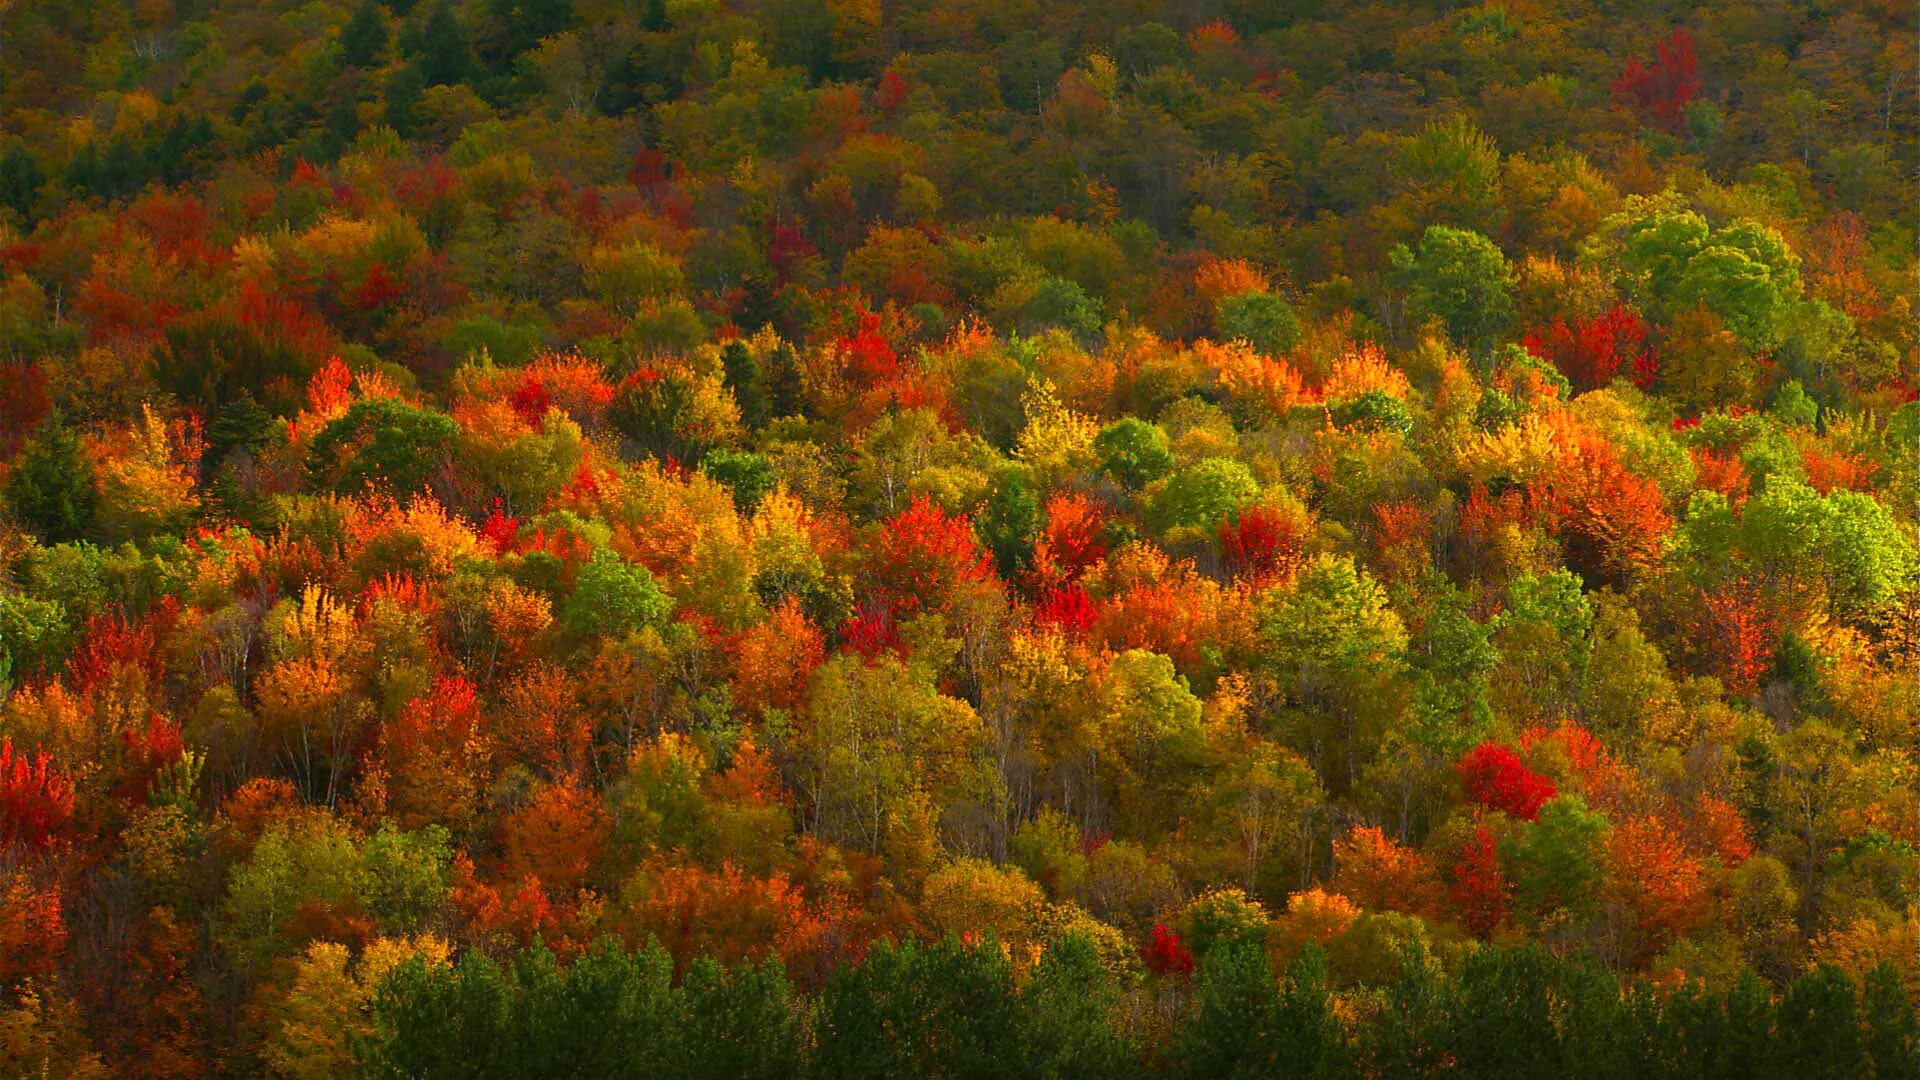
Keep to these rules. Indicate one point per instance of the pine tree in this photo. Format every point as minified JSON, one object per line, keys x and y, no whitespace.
{"x":364,"y":36}
{"x":52,"y":489}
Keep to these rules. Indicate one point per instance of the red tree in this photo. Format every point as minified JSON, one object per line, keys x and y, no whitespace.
{"x":1495,"y":778}
{"x":1590,"y":352}
{"x":1480,"y":887}
{"x":35,"y":800}
{"x":1165,"y":955}
{"x":923,"y":555}
{"x":1660,"y":91}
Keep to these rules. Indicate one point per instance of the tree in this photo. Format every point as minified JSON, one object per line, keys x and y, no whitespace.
{"x":1202,"y":495}
{"x":1495,"y":778}
{"x":36,"y":801}
{"x":364,"y":36}
{"x":1133,"y":451}
{"x":1661,"y":90}
{"x":21,"y":179}
{"x":613,"y":597}
{"x":1557,"y":862}
{"x":1245,"y":1023}
{"x":1819,"y":1026}
{"x":920,"y":1010}
{"x":51,"y":490}
{"x":444,"y":55}
{"x":384,"y":444}
{"x":1066,"y":1016}
{"x":1260,"y":319}
{"x":1460,"y":278}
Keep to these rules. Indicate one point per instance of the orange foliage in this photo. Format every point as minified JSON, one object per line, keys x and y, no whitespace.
{"x":558,"y":837}
{"x":1836,"y":470}
{"x":1072,"y":540}
{"x":774,"y":659}
{"x":1379,"y":874}
{"x":33,"y":929}
{"x":735,"y":917}
{"x":1648,"y":869}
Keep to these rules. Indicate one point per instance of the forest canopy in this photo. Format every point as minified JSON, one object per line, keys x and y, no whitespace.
{"x":778,"y":537}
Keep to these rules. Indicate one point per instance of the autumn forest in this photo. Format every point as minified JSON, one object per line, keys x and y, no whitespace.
{"x":984,"y":538}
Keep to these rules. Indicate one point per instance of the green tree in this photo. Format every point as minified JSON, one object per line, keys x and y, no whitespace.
{"x":920,"y":1010}
{"x":1201,"y":495}
{"x":1260,"y":319}
{"x":613,"y":597}
{"x":1133,"y":451}
{"x":1460,"y":278}
{"x":382,"y":443}
{"x":1066,"y":1014}
{"x":1819,"y":1027}
{"x":364,"y":36}
{"x":21,"y":179}
{"x":51,"y":490}
{"x":1245,"y":1023}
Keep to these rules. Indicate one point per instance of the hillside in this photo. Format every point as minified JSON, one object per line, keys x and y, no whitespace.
{"x":711,"y":538}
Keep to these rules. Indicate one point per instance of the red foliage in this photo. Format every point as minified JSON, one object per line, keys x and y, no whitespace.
{"x":1480,"y":887}
{"x":1165,"y":955}
{"x":1660,"y":91}
{"x":871,"y":633}
{"x":530,"y":402}
{"x":423,"y":186}
{"x":1072,"y":540}
{"x":1263,"y":543}
{"x":377,"y":290}
{"x":36,"y":801}
{"x":891,"y":93}
{"x":179,"y":226}
{"x":112,"y":646}
{"x":1067,"y":607}
{"x":1721,"y":471}
{"x":499,"y":531}
{"x":788,"y":246}
{"x":148,"y":750}
{"x":281,"y":318}
{"x":867,"y":352}
{"x":923,"y":555}
{"x":651,"y":172}
{"x":1590,"y":352}
{"x":1495,"y":778}
{"x":24,"y":401}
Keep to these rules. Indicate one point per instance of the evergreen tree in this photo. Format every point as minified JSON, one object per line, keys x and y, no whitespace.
{"x":364,"y":36}
{"x":51,"y":491}
{"x":1819,"y":1028}
{"x":20,"y":180}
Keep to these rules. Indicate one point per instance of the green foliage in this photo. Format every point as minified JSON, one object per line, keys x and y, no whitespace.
{"x":1460,"y":278}
{"x":51,"y":489}
{"x":1245,"y":1023}
{"x":919,"y":1010}
{"x":383,"y":444}
{"x":614,"y":597}
{"x":1262,"y":320}
{"x":748,"y":475}
{"x":1133,"y":451}
{"x":1200,"y":496}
